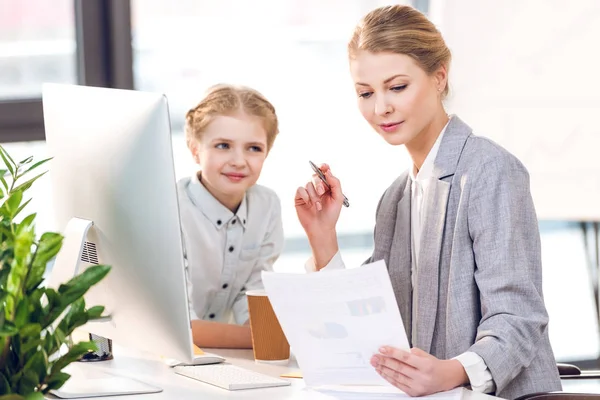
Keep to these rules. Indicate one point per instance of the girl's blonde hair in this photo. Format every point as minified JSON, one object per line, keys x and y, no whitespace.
{"x":402,"y":30}
{"x":229,"y":100}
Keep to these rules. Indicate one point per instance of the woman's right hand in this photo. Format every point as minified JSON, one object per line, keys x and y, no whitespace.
{"x":318,"y":207}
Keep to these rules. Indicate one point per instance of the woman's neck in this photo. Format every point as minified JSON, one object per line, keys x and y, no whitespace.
{"x":421,"y":145}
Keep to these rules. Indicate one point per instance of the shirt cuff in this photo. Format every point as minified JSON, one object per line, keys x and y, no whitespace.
{"x":336,"y":262}
{"x":479,"y":374}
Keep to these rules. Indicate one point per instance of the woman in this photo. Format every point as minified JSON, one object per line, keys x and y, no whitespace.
{"x":458,"y":229}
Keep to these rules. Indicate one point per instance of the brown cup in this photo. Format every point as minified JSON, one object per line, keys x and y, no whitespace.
{"x":268,"y":341}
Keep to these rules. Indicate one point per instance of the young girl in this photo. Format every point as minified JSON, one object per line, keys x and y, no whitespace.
{"x":458,"y":229}
{"x":232,"y":227}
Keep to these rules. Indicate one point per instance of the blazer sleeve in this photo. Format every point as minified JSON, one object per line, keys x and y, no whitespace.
{"x":508,"y":272}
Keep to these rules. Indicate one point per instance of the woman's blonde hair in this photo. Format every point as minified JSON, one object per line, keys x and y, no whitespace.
{"x":402,"y":30}
{"x":223,"y":99}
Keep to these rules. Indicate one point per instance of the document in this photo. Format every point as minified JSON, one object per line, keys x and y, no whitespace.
{"x":335,"y":321}
{"x":378,"y":393}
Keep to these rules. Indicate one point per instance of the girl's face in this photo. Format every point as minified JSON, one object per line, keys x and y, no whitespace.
{"x":231,"y":154}
{"x":395,"y":95}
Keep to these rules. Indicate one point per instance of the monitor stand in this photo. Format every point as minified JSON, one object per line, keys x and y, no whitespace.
{"x":87,"y":381}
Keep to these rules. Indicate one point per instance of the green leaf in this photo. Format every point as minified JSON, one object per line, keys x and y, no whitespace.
{"x":77,"y":286}
{"x":26,"y":222}
{"x":37,"y":164}
{"x":31,"y":330}
{"x":12,"y":397}
{"x":22,"y":313}
{"x":56,"y":380}
{"x":36,"y":303}
{"x":4,"y":384}
{"x":35,"y":396}
{"x":8,"y":161}
{"x":31,"y":345}
{"x":21,"y":208}
{"x":3,"y":180}
{"x":74,"y":353}
{"x":38,"y":363}
{"x":26,"y":161}
{"x":23,"y":243}
{"x":32,"y":285}
{"x":8,"y":329}
{"x":13,"y":202}
{"x":28,"y":382}
{"x":95,"y":312}
{"x":49,"y":245}
{"x":26,"y":185}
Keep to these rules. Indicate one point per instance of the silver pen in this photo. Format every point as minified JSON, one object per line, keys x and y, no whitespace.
{"x":322,"y":176}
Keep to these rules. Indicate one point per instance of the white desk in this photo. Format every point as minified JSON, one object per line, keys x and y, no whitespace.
{"x":151,"y":370}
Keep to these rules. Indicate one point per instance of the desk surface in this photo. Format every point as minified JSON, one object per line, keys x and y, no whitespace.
{"x":153,"y":371}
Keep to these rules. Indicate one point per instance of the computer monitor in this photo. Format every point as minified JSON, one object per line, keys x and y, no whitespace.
{"x":115,"y":200}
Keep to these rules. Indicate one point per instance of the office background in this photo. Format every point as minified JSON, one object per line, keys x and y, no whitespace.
{"x":526,"y":63}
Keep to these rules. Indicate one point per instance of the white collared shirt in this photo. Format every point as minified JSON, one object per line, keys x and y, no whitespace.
{"x":226,"y":252}
{"x":479,"y":374}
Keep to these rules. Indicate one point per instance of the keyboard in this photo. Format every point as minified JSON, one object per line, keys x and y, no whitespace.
{"x":230,"y":377}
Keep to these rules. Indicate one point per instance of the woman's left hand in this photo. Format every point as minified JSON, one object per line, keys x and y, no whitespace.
{"x":418,"y":373}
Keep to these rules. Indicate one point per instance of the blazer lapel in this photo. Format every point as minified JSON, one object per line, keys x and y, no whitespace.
{"x":435,"y":202}
{"x":400,"y":260}
{"x":426,"y":283}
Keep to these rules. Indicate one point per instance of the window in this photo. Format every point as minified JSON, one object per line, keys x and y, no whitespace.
{"x":37,"y":44}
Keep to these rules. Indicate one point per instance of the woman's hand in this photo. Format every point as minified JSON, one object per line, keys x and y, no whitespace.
{"x":318,"y":208}
{"x":418,"y":373}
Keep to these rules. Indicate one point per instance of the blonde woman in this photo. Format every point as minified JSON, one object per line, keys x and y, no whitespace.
{"x":457,"y":229}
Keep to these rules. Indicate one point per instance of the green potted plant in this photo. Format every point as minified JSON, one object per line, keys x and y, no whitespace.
{"x":35,"y":321}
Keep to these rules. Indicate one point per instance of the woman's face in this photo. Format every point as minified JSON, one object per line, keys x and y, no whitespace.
{"x":395,"y":95}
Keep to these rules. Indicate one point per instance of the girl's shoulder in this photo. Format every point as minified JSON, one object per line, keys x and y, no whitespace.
{"x":262,"y":194}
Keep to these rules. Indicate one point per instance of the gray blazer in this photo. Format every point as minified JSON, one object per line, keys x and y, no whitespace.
{"x":479,"y":280}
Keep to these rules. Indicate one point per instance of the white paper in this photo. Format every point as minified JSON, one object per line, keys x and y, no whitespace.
{"x":337,"y":320}
{"x":373,"y":393}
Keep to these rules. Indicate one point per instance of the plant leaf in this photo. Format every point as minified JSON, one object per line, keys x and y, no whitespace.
{"x":8,"y":329}
{"x":22,"y":207}
{"x":95,"y":312}
{"x":35,"y":396}
{"x":8,"y":161}
{"x":4,"y":384}
{"x":26,"y":222}
{"x":37,"y":164}
{"x":26,"y":161}
{"x":77,"y":286}
{"x":26,"y":185}
{"x":23,"y":242}
{"x":73,"y":354}
{"x":13,"y":202}
{"x":3,"y":180}
{"x":38,"y":363}
{"x":49,"y":245}
{"x":27,"y":382}
{"x":22,"y":313}
{"x":56,"y":380}
{"x":31,"y":330}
